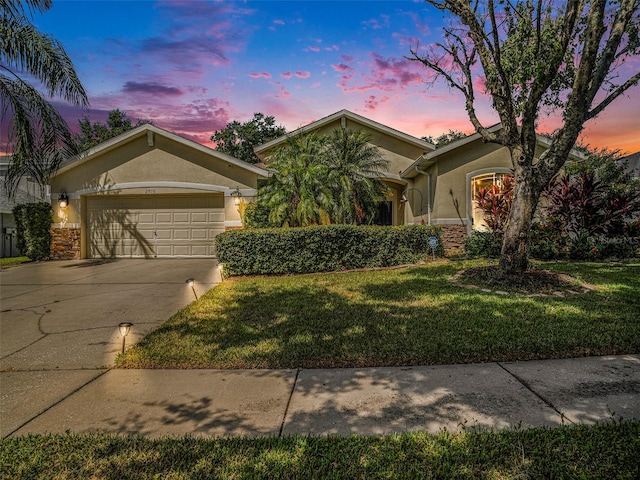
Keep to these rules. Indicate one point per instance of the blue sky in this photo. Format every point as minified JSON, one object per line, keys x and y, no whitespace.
{"x":191,"y":67}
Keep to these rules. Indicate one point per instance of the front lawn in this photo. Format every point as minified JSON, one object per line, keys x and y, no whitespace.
{"x":9,"y":261}
{"x":600,"y":451}
{"x":409,"y":316}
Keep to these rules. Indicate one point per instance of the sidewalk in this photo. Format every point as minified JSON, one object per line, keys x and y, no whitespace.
{"x":368,"y":401}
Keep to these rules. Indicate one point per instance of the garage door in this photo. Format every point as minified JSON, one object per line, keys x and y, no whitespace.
{"x":149,"y":226}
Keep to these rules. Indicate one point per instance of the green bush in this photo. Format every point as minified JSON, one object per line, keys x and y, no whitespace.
{"x":483,"y":244}
{"x":256,"y":215}
{"x":546,"y":242}
{"x":33,"y":234}
{"x":322,"y":248}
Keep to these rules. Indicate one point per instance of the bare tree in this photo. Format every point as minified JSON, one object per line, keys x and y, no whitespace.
{"x":535,"y":57}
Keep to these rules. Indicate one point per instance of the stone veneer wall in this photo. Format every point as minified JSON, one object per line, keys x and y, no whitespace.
{"x":453,"y":236}
{"x":65,"y":244}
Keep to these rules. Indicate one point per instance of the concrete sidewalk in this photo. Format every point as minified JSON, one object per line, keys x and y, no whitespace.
{"x":367,"y":401}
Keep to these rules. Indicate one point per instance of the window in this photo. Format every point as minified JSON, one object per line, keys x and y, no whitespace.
{"x":485,"y":181}
{"x":384,"y":216}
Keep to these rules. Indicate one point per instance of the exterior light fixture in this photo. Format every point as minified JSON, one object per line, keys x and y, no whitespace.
{"x":63,"y":199}
{"x":125,"y":328}
{"x":191,"y":284}
{"x":236,"y":196}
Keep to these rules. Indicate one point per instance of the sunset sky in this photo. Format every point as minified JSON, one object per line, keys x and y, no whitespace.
{"x":191,"y":67}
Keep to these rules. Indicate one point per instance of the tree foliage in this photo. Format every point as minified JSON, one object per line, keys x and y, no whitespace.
{"x":324,"y":179}
{"x":354,"y":164}
{"x":92,"y":134}
{"x":445,"y":139}
{"x":593,"y":197}
{"x":297,"y":193}
{"x":36,"y":129}
{"x":535,"y":57}
{"x":495,"y":203}
{"x":239,"y":139}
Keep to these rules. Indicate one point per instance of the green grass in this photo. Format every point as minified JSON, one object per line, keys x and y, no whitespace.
{"x":605,"y":451}
{"x":410,"y":316}
{"x":9,"y":261}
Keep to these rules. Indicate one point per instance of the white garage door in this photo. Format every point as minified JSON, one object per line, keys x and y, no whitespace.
{"x":149,"y":226}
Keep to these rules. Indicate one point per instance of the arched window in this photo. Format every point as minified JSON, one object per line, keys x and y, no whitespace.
{"x":484,"y":181}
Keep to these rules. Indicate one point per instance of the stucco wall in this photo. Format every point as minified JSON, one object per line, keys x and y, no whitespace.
{"x":156,"y":168}
{"x":451,"y":185}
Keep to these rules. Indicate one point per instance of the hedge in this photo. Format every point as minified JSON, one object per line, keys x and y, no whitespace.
{"x":322,"y":248}
{"x":549,"y":247}
{"x":33,"y":224}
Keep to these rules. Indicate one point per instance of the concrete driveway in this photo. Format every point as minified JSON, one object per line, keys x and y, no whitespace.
{"x":59,"y":322}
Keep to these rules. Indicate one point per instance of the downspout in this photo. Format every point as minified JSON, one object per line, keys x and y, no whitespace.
{"x":423,"y":172}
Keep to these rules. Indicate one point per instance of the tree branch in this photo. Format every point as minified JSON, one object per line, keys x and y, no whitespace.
{"x":619,"y":90}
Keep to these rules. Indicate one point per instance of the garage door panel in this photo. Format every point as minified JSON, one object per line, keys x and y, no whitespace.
{"x":199,"y":233}
{"x":163,"y":217}
{"x":153,"y":226}
{"x":199,"y":217}
{"x":181,"y":234}
{"x":200,"y":250}
{"x":181,"y":217}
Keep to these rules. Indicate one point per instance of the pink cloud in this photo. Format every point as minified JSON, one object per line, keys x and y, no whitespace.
{"x":278,"y":22}
{"x":286,"y":75}
{"x":341,"y":67}
{"x":347,"y":58}
{"x":305,"y":74}
{"x":377,"y":24}
{"x":372,"y":102}
{"x":314,"y":49}
{"x":260,"y":75}
{"x":332,"y":48}
{"x":385,"y":74}
{"x":282,"y":94}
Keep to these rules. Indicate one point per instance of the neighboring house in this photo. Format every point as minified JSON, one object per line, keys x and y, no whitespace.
{"x":148,"y":193}
{"x":27,"y":192}
{"x":632,"y":164}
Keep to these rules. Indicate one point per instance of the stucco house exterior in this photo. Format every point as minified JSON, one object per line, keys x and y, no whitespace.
{"x":150,"y":193}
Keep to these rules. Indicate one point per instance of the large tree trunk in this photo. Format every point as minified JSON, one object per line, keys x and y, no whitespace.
{"x":514,"y":257}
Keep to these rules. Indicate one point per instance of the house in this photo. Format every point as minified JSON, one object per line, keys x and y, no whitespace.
{"x":150,"y":193}
{"x":398,"y":148}
{"x":147,"y":193}
{"x":27,"y":192}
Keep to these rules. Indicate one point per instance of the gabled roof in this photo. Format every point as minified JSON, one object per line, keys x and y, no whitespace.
{"x":355,"y":118}
{"x":142,"y":130}
{"x":428,"y":159}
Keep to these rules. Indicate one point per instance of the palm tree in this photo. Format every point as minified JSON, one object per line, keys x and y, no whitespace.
{"x":355,"y":166}
{"x":297,"y":193}
{"x":36,"y":129}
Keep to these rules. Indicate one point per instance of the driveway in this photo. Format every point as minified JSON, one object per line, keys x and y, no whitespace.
{"x":59,"y":322}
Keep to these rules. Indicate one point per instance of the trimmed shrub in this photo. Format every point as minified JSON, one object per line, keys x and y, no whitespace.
{"x":256,"y":215}
{"x":483,"y":244}
{"x":33,"y":229}
{"x":322,"y":248}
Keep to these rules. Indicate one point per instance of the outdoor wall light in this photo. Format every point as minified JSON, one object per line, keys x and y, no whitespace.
{"x":125,"y":328}
{"x":236,"y":196}
{"x":63,"y":199}
{"x":191,"y":284}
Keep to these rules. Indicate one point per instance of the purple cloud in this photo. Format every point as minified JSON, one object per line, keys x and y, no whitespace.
{"x":305,"y":74}
{"x":151,"y":88}
{"x":260,"y":75}
{"x":286,"y":75}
